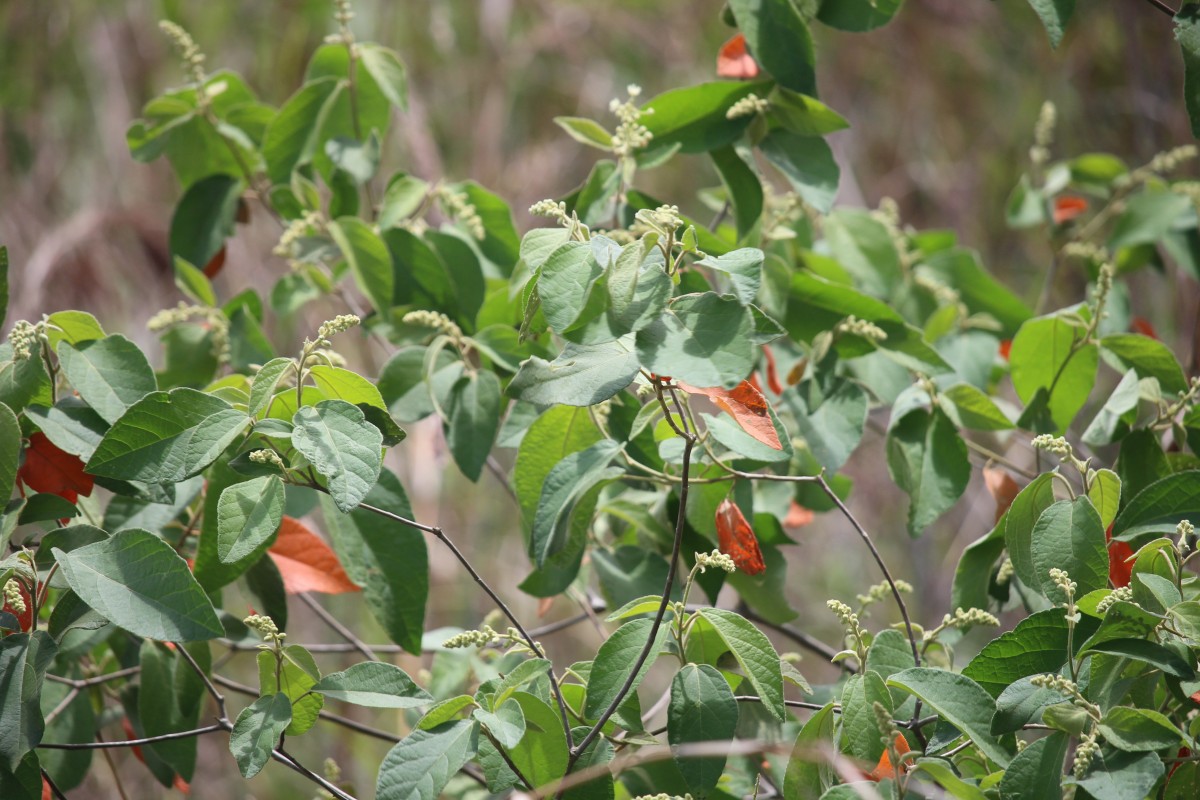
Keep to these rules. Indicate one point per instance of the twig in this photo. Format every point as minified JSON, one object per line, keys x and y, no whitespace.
{"x":208,"y":684}
{"x":112,"y":768}
{"x":341,"y":629}
{"x":1163,"y":7}
{"x":689,"y":442}
{"x":83,"y":683}
{"x":483,"y":584}
{"x":57,"y":792}
{"x":328,"y":716}
{"x":62,"y":706}
{"x":103,"y":745}
{"x":288,"y":760}
{"x":800,"y":637}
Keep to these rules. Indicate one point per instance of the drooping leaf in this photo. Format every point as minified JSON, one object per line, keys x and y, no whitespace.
{"x":754,"y":654}
{"x":582,"y":375}
{"x":24,"y":659}
{"x":568,"y":481}
{"x":779,"y":40}
{"x":257,"y":730}
{"x":248,"y":514}
{"x":1046,"y":355}
{"x":475,"y":412}
{"x":702,"y":708}
{"x":615,"y":661}
{"x":1054,"y":15}
{"x":959,"y":701}
{"x":342,"y":446}
{"x":369,"y":259}
{"x":746,"y":405}
{"x":1069,"y":536}
{"x":306,"y":563}
{"x":110,"y":374}
{"x":807,"y":163}
{"x":421,"y":765}
{"x":928,"y":460}
{"x":375,"y":684}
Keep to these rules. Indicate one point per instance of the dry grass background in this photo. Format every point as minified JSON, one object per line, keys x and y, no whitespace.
{"x":941,"y":103}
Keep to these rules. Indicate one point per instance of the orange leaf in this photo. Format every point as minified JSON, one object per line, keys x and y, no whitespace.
{"x":47,"y":794}
{"x":798,"y":516}
{"x":1120,"y":565}
{"x":1143,"y":326}
{"x":736,"y":539}
{"x":733,"y":61}
{"x":214,"y":264}
{"x":884,"y":769}
{"x":772,"y":376}
{"x":1002,"y":487}
{"x":1068,"y":207}
{"x":306,"y":563}
{"x":48,"y":469}
{"x":746,"y":405}
{"x":1005,"y":348}
{"x":130,"y":734}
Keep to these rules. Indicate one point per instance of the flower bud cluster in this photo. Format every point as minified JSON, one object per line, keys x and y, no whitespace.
{"x":265,"y":627}
{"x":296,"y":230}
{"x":435,"y":320}
{"x":1063,"y":581}
{"x":849,"y":620}
{"x":1166,"y":161}
{"x":715,"y":559}
{"x":631,"y":135}
{"x":13,"y":597}
{"x":1086,"y":251}
{"x":1084,"y":753}
{"x":965,"y":619}
{"x":189,"y":53}
{"x":552,"y":209}
{"x":459,"y":206}
{"x":1123,"y":593}
{"x":1185,"y":529}
{"x":339,"y":324}
{"x":748,"y":106}
{"x":212,"y":318}
{"x":1006,"y":571}
{"x":267,"y":457}
{"x":861,"y":327}
{"x":480,"y":638}
{"x":1043,"y":135}
{"x":1055,"y":445}
{"x":663,"y":796}
{"x":880,"y":591}
{"x":940,"y":291}
{"x":25,"y":337}
{"x":664,"y":219}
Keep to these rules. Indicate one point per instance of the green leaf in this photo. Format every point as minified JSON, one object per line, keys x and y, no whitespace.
{"x":476,"y":407}
{"x":742,"y":185}
{"x":1120,"y":776}
{"x":138,"y":582}
{"x":23,"y":382}
{"x":804,"y":115}
{"x":744,"y":268}
{"x":257,"y":731}
{"x":582,"y":375}
{"x":702,"y":709}
{"x":1138,"y":730}
{"x":804,"y":777}
{"x":1037,"y":645}
{"x":192,"y":281}
{"x":71,"y":425}
{"x":615,"y":661}
{"x":863,"y":245}
{"x":388,"y":71}
{"x":1150,"y":358}
{"x":586,"y":131}
{"x":343,"y":384}
{"x":928,"y":460}
{"x":1160,"y":506}
{"x":387,"y":558}
{"x":1187,"y":33}
{"x":111,"y":374}
{"x":754,"y":654}
{"x":1036,"y":772}
{"x":1068,"y":536}
{"x":860,"y":737}
{"x":294,"y":675}
{"x":248,"y":514}
{"x":420,"y":766}
{"x":375,"y":684}
{"x":1023,"y":515}
{"x":959,"y":268}
{"x":369,"y":260}
{"x":404,"y":197}
{"x":1042,"y":358}
{"x":1147,"y":218}
{"x":553,"y":436}
{"x":204,"y":218}
{"x":167,"y":436}
{"x":501,"y":243}
{"x":292,"y":138}
{"x":959,"y":701}
{"x":74,"y":722}
{"x":564,"y":282}
{"x":703,"y":339}
{"x":565,"y":485}
{"x":1054,"y":15}
{"x":973,"y":574}
{"x":169,"y":700}
{"x":24,"y":659}
{"x":779,"y":40}
{"x":1156,"y":655}
{"x":265,"y":382}
{"x":10,"y":452}
{"x":831,"y":416}
{"x":542,"y":754}
{"x":343,"y":447}
{"x":1105,"y":494}
{"x":506,"y":724}
{"x":694,"y":117}
{"x":970,"y":408}
{"x":807,"y":163}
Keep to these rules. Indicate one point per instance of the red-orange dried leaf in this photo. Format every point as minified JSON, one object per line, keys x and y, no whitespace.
{"x":24,"y":618}
{"x":48,"y":469}
{"x":798,"y":516}
{"x":734,"y":61}
{"x":306,"y":563}
{"x":884,"y":770}
{"x":130,"y":735}
{"x":747,"y":406}
{"x":1143,"y":326}
{"x":1002,"y":488}
{"x":214,"y":264}
{"x":1120,"y":561}
{"x":47,"y":794}
{"x":1005,"y":348}
{"x":753,"y":381}
{"x":772,"y":376}
{"x":736,"y":539}
{"x":1068,"y":207}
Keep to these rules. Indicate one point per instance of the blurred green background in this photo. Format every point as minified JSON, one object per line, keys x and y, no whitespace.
{"x":941,"y":102}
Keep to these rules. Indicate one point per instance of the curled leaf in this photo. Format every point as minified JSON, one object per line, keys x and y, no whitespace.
{"x":748,"y":407}
{"x":736,"y":539}
{"x":306,"y":563}
{"x":734,"y":61}
{"x":48,"y":469}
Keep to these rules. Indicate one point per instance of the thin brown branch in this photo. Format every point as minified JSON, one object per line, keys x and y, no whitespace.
{"x":1163,"y":7}
{"x":288,"y":760}
{"x":328,"y":716}
{"x":83,"y":683}
{"x":338,"y":627}
{"x":103,"y":745}
{"x":799,"y":637}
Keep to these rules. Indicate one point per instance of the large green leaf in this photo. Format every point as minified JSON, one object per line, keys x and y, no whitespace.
{"x":294,"y":674}
{"x":1037,"y":645}
{"x":1069,"y":536}
{"x":10,"y":451}
{"x":702,"y":709}
{"x":565,"y":485}
{"x":475,"y":409}
{"x":71,"y":425}
{"x":973,"y":574}
{"x":375,"y":684}
{"x":1160,"y":506}
{"x":861,"y":738}
{"x":75,"y":722}
{"x":541,"y":755}
{"x":387,"y":558}
{"x":257,"y":730}
{"x":1043,"y":357}
{"x":582,"y":375}
{"x":754,"y":654}
{"x":1120,"y":776}
{"x":369,"y":260}
{"x":742,"y":185}
{"x":170,"y":697}
{"x":638,"y":288}
{"x":336,"y":437}
{"x":694,"y":117}
{"x":778,"y":39}
{"x":137,"y":581}
{"x":24,"y":659}
{"x":167,"y":436}
{"x":1036,"y":772}
{"x":110,"y":374}
{"x":421,"y":765}
{"x":1139,"y":730}
{"x":204,"y":218}
{"x":564,"y":282}
{"x":928,"y":460}
{"x":388,"y":71}
{"x":807,"y":772}
{"x":1021,"y":518}
{"x":807,"y":163}
{"x":343,"y":384}
{"x":959,"y":701}
{"x":831,"y":416}
{"x":959,"y":268}
{"x":292,"y":137}
{"x":744,"y":268}
{"x":864,"y":246}
{"x":248,"y":514}
{"x":858,"y":15}
{"x":615,"y":661}
{"x":703,"y":339}
{"x":1150,"y":358}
